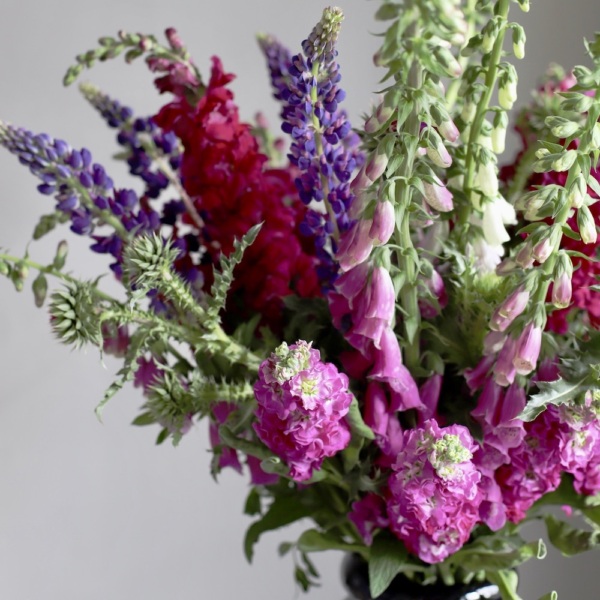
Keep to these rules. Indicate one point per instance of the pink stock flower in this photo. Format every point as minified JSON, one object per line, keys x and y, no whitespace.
{"x":301,"y":405}
{"x":434,"y":496}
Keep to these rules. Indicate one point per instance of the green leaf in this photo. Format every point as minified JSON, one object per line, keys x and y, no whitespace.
{"x":570,"y":540}
{"x":356,"y":422}
{"x":387,"y":557}
{"x":252,"y":506}
{"x":48,"y":222}
{"x":144,"y":419}
{"x":550,"y":596}
{"x":224,"y":277}
{"x":387,"y":12}
{"x":477,"y":558}
{"x":313,"y":540}
{"x":283,"y":511}
{"x":551,"y":392}
{"x":507,"y":582}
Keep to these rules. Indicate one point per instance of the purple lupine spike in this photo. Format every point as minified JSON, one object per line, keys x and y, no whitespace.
{"x":323,"y":147}
{"x":279,"y":60}
{"x":136,"y":136}
{"x":81,"y":188}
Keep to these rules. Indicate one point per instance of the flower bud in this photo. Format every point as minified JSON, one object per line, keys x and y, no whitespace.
{"x":577,"y":191}
{"x":493,"y":342}
{"x":510,"y":309}
{"x":524,"y":257}
{"x":447,"y":61}
{"x":507,"y":91}
{"x":564,"y":161}
{"x":528,"y":349}
{"x":498,"y":136}
{"x":61,"y":255}
{"x":561,"y":127}
{"x":40,"y":289}
{"x":586,"y":225}
{"x":384,"y":223}
{"x":542,"y":250}
{"x":486,"y":180}
{"x":489,"y":35}
{"x":524,"y":4}
{"x":436,"y":151}
{"x":377,"y":165}
{"x":562,"y":288}
{"x":438,"y":196}
{"x":596,"y":136}
{"x":518,"y":40}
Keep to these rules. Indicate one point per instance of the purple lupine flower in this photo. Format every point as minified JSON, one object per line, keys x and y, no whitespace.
{"x":323,"y":146}
{"x":136,"y":135}
{"x":82,"y":189}
{"x":302,"y":402}
{"x":434,"y":496}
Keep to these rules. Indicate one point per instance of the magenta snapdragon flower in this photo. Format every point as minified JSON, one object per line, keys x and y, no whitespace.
{"x":302,"y":402}
{"x":434,"y":491}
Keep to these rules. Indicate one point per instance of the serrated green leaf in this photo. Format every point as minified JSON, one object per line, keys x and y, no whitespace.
{"x":570,"y":540}
{"x":551,"y":392}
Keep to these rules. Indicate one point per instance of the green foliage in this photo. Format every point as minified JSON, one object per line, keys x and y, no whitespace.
{"x":48,"y":222}
{"x":570,"y":540}
{"x":224,"y":277}
{"x":387,"y":558}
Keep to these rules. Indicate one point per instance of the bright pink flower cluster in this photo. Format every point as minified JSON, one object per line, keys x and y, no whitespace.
{"x":434,"y":491}
{"x":224,"y":173}
{"x":561,"y":439}
{"x":302,"y":402}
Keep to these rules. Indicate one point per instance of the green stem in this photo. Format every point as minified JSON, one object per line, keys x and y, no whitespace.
{"x":484,"y":103}
{"x":453,"y":88}
{"x":405,"y":256}
{"x":522,"y":173}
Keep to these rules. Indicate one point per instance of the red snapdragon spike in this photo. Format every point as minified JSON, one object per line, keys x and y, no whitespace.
{"x":224,"y":173}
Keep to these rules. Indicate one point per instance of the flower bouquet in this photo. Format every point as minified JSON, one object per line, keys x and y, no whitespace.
{"x":386,"y":332}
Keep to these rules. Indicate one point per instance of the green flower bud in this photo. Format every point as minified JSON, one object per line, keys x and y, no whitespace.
{"x":577,"y":191}
{"x":40,"y":289}
{"x":565,"y":160}
{"x":446,"y":59}
{"x":586,"y":225}
{"x":499,"y":132}
{"x":507,"y":90}
{"x":61,"y":255}
{"x":561,"y":127}
{"x":518,"y":40}
{"x":524,"y":4}
{"x":490,"y":33}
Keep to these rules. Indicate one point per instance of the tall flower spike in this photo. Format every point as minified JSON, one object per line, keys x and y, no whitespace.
{"x":144,"y":142}
{"x":323,"y":146}
{"x":82,"y":189}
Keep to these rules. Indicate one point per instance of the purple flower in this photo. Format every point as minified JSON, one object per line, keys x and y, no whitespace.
{"x":527,"y":349}
{"x":434,"y":496}
{"x":301,"y":405}
{"x":323,"y":147}
{"x":368,"y":514}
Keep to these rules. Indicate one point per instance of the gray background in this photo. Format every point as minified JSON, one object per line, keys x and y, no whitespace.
{"x":95,"y":512}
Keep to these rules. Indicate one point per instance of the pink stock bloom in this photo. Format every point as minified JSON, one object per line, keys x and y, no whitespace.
{"x":527,"y":349}
{"x":492,"y":511}
{"x":355,"y":245}
{"x":302,"y":403}
{"x":384,"y":223}
{"x":438,"y":196}
{"x":434,"y":494}
{"x":368,"y":514}
{"x":510,"y":309}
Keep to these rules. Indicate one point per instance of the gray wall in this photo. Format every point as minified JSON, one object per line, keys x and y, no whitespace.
{"x":90,"y":511}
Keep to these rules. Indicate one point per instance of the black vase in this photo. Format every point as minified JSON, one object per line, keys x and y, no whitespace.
{"x":355,"y":574}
